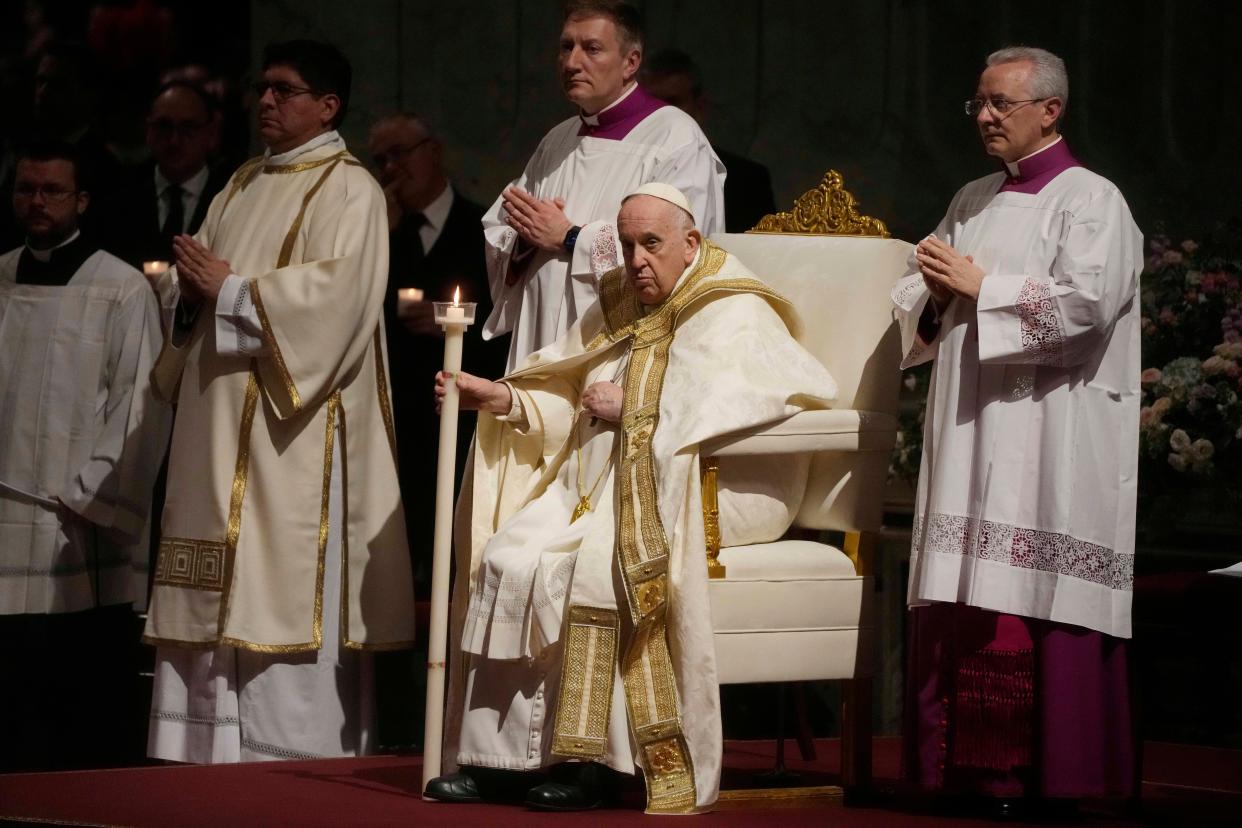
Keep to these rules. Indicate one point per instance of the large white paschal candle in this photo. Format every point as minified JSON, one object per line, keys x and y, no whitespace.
{"x":454,"y":317}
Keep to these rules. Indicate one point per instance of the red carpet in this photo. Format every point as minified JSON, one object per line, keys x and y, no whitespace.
{"x":1183,"y":786}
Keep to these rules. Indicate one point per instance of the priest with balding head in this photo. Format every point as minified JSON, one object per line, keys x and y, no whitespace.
{"x":582,"y":630}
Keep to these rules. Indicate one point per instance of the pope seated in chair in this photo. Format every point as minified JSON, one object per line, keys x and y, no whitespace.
{"x":582,"y":635}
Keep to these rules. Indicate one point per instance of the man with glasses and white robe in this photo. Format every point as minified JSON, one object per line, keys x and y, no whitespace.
{"x":1025,"y":298}
{"x":283,"y":556}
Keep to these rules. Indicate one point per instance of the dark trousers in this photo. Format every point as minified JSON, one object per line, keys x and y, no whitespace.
{"x":69,"y":690}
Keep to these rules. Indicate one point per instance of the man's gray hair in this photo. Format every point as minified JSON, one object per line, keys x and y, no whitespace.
{"x":1048,"y":77}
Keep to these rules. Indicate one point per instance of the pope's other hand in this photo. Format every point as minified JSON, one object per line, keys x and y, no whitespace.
{"x":603,"y":400}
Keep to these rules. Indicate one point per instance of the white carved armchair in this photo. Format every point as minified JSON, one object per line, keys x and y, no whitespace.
{"x":798,"y":610}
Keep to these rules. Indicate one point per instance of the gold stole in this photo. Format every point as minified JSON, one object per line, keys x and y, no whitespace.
{"x":208,"y":565}
{"x":642,"y":547}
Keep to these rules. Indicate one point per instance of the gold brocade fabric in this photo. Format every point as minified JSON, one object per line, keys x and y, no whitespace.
{"x":246,"y":527}
{"x":643,"y":551}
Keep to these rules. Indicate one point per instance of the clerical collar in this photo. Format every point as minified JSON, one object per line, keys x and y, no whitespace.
{"x":45,"y":255}
{"x":193,"y":185}
{"x":615,"y":121}
{"x":55,"y":266}
{"x":329,"y":138}
{"x":1031,"y":173}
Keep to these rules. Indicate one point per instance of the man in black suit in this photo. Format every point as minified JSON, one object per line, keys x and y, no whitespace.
{"x":672,"y":76}
{"x":435,"y":246}
{"x":169,"y":195}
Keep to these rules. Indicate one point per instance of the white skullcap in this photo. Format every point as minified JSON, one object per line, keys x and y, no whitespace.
{"x":666,"y":192}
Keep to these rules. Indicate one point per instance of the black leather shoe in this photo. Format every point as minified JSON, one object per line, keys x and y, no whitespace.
{"x":575,"y":786}
{"x":455,"y":787}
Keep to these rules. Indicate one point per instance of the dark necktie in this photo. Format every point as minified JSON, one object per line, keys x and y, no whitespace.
{"x":174,"y":221}
{"x":414,"y":223}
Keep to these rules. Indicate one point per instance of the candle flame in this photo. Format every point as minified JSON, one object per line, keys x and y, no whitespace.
{"x":457,"y":295}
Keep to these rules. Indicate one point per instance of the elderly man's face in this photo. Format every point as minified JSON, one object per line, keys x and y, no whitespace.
{"x":593,"y":63}
{"x":180,"y":133}
{"x":290,"y":112}
{"x":658,"y":242}
{"x":1018,"y":132}
{"x":47,"y":201}
{"x":408,"y":160}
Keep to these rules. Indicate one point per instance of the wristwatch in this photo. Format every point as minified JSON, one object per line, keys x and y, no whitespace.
{"x":571,"y":238}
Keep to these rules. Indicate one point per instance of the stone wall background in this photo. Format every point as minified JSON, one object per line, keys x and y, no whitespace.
{"x":873,"y":88}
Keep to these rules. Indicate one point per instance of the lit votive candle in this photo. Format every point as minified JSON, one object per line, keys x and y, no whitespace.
{"x":407,"y":297}
{"x":457,"y":314}
{"x":154,"y":270}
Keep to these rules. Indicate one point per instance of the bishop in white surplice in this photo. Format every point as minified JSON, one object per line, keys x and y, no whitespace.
{"x":1035,"y":391}
{"x":1026,"y":299}
{"x":621,"y":138}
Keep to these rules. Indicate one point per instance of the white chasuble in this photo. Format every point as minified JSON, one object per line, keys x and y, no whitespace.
{"x":591,"y":638}
{"x":82,"y":439}
{"x":538,"y":295}
{"x":1026,"y":496}
{"x":247,"y":523}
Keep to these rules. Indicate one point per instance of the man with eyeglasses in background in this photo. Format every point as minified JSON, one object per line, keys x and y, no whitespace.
{"x":1022,"y":560}
{"x":435,"y":246}
{"x":81,"y":442}
{"x":169,"y":195}
{"x":283,"y":557}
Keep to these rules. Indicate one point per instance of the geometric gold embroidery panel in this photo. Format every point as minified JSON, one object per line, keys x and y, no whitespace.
{"x":190,"y":563}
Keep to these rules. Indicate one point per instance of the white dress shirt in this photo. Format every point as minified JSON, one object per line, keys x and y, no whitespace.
{"x":436,"y":215}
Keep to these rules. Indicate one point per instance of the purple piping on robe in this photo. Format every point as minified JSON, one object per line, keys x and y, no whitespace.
{"x":1035,"y":172}
{"x":616,"y":123}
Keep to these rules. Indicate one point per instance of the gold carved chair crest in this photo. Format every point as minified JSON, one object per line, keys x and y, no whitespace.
{"x":827,"y":210}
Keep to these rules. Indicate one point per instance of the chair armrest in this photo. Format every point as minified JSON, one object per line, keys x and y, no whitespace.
{"x":843,"y":430}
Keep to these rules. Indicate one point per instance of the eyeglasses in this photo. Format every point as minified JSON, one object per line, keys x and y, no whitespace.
{"x":396,"y":153}
{"x":52,"y":195}
{"x":281,"y":91}
{"x":166,"y":128}
{"x":1001,"y":106}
